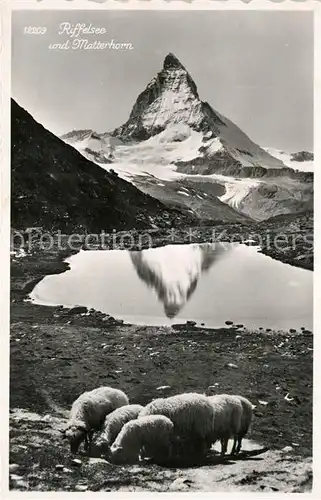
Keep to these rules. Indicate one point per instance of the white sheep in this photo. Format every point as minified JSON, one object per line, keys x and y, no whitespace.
{"x":247,"y":416}
{"x":114,"y":423}
{"x":150,"y":435}
{"x":192,"y":415}
{"x":88,"y":413}
{"x":228,"y":413}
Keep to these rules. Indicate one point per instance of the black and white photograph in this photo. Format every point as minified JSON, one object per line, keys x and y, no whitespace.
{"x":161,"y":249}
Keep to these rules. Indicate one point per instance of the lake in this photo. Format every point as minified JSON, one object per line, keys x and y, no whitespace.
{"x":206,"y":283}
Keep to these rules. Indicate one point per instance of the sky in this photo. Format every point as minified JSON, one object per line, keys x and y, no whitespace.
{"x":256,"y":68}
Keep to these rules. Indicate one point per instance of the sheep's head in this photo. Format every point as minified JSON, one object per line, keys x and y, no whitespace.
{"x":118,"y":455}
{"x":101,"y":447}
{"x":75,"y":435}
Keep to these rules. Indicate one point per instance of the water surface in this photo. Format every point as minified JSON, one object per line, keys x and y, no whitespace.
{"x":207,"y":283}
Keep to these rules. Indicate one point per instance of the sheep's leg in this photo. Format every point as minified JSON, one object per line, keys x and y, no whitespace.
{"x":222,"y":447}
{"x":208,"y":443}
{"x":224,"y":443}
{"x":233,"y":452}
{"x":88,"y":441}
{"x":90,"y":438}
{"x":239,"y":444}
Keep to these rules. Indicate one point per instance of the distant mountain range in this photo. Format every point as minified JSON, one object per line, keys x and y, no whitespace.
{"x":181,"y":151}
{"x":55,"y":187}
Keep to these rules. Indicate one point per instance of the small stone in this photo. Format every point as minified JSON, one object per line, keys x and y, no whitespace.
{"x":191,"y":323}
{"x":229,"y":322}
{"x":77,"y":310}
{"x":15,"y":477}
{"x":97,"y":460}
{"x":231,"y":365}
{"x":292,"y":330}
{"x":81,"y":487}
{"x":59,"y":467}
{"x":239,"y":326}
{"x":163,"y":387}
{"x":180,"y":484}
{"x":76,"y":462}
{"x":66,"y":470}
{"x":22,"y":446}
{"x":22,"y":484}
{"x":13,"y":467}
{"x":287,"y":449}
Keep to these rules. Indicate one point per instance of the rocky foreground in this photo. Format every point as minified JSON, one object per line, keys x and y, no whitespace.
{"x":58,"y":353}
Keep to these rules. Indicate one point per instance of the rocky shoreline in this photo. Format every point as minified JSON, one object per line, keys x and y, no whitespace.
{"x":58,"y":353}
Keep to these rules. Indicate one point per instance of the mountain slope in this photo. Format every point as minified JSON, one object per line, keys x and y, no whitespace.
{"x":55,"y":187}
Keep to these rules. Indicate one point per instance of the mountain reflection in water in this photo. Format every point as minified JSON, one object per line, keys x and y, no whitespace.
{"x":174,"y":271}
{"x":205,"y":283}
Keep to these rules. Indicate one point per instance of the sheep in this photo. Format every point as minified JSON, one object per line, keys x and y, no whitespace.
{"x":192,"y":415}
{"x":114,"y":423}
{"x":228,"y":412}
{"x":151,"y":435}
{"x":247,"y":415}
{"x":88,"y":413}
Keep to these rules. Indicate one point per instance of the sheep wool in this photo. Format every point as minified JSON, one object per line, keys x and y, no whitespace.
{"x":247,"y":416}
{"x":228,"y":413}
{"x":115,"y":421}
{"x":150,"y":434}
{"x":192,"y":415}
{"x":88,"y":413}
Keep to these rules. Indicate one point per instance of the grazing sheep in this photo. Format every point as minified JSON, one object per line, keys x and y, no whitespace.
{"x":192,"y":415}
{"x":88,"y":413}
{"x":114,"y":423}
{"x":228,"y":413}
{"x":247,"y":415}
{"x":150,"y":434}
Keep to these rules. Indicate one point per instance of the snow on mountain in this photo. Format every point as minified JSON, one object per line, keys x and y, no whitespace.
{"x":286,"y":158}
{"x":236,"y":190}
{"x":173,"y":136}
{"x":171,"y":98}
{"x":96,"y":147}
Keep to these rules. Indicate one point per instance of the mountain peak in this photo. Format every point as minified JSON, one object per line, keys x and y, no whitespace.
{"x":170,"y":98}
{"x":171,"y":62}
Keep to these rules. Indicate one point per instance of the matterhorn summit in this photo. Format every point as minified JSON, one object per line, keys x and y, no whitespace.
{"x":170,"y":98}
